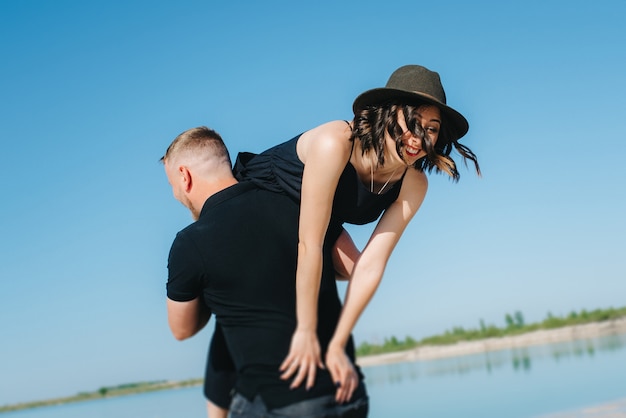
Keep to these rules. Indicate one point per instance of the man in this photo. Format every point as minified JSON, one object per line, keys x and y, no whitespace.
{"x":238,"y":261}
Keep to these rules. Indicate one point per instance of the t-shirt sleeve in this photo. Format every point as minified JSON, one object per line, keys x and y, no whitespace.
{"x":185,"y":273}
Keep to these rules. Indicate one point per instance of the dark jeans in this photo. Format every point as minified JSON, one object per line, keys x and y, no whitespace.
{"x":323,"y":407}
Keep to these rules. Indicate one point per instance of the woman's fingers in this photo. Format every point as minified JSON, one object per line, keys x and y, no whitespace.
{"x":289,"y":371}
{"x":286,"y":363}
{"x":311,"y":375}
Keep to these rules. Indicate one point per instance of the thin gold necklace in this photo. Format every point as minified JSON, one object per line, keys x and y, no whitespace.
{"x":384,"y":185}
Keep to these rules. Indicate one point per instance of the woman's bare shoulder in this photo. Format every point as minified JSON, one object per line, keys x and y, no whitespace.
{"x":331,"y":138}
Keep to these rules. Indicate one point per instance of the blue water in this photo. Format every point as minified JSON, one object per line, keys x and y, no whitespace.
{"x":524,"y":383}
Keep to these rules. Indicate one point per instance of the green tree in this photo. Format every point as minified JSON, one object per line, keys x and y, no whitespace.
{"x":510,"y":322}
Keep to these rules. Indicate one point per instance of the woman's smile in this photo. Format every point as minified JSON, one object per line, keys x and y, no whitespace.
{"x":412,"y":152}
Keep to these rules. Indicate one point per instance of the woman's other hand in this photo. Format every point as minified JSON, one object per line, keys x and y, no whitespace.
{"x":342,"y":372}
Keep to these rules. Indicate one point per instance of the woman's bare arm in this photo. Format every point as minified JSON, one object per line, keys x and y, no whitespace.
{"x":370,"y":267}
{"x":324,"y":151}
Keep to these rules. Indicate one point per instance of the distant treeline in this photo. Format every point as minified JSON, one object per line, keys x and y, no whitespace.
{"x":108,"y":391}
{"x":515,"y":325}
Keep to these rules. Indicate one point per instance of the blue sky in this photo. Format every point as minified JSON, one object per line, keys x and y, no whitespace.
{"x":94,"y":92}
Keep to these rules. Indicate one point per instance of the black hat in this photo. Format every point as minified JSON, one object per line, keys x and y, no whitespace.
{"x":414,"y":84}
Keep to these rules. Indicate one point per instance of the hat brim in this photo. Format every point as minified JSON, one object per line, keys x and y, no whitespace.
{"x":459,"y":124}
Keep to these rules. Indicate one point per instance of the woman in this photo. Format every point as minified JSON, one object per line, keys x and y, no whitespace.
{"x":352,"y":172}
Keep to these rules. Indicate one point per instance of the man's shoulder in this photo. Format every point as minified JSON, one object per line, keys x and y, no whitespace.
{"x":236,"y":209}
{"x":231,"y":195}
{"x":243,"y":196}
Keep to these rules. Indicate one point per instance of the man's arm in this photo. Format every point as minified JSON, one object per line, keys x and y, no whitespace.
{"x":187,"y":318}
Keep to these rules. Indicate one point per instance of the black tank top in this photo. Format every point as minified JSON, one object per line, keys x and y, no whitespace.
{"x":279,"y":169}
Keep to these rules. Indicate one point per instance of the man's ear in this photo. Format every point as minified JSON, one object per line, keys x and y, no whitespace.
{"x":186,"y":180}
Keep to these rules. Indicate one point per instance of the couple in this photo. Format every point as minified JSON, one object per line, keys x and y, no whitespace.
{"x":265,"y":251}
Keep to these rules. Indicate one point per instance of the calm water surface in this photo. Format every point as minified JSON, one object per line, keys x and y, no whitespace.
{"x":524,"y":383}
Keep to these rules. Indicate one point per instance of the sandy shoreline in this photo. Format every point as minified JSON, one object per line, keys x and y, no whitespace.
{"x":571,"y":333}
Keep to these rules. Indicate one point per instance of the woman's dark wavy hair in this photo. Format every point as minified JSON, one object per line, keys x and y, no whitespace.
{"x":371,"y":123}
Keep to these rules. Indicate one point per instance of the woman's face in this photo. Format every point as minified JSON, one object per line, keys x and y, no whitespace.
{"x":429,"y":118}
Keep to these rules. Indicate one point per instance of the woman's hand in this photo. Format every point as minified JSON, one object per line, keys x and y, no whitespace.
{"x":342,"y":372}
{"x":303,"y":359}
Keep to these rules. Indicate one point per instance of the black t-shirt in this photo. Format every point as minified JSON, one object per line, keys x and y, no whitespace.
{"x":241,"y":256}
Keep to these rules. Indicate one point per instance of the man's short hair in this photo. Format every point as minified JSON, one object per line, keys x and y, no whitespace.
{"x":194,"y":141}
